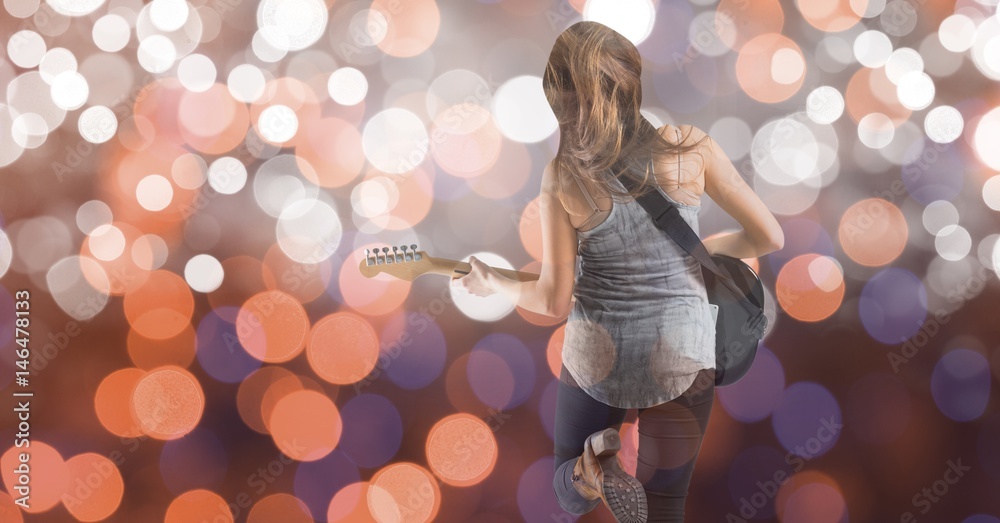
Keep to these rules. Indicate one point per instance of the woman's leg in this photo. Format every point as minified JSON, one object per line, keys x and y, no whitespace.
{"x":670,"y":437}
{"x":577,"y":416}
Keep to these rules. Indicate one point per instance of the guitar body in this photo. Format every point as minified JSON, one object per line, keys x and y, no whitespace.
{"x":737,"y":329}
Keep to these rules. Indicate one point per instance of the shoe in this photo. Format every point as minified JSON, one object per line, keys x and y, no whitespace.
{"x":598,"y":473}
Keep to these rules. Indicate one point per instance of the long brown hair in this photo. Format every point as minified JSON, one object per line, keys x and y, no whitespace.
{"x":593,"y":83}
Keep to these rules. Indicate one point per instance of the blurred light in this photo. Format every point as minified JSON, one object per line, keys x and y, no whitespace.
{"x":309,"y":231}
{"x":484,"y":308}
{"x":157,"y":54}
{"x":75,"y":7}
{"x":807,"y":420}
{"x":278,"y":123}
{"x":801,"y":500}
{"x":159,"y":307}
{"x":516,"y":357}
{"x":755,"y":396}
{"x":391,"y":493}
{"x":986,"y":48}
{"x":281,"y":182}
{"x":957,"y":33}
{"x":111,"y":33}
{"x":944,"y":124}
{"x":987,"y":136}
{"x":203,"y":273}
{"x":938,"y":215}
{"x":461,"y":450}
{"x":373,"y":430}
{"x":246,"y":83}
{"x":113,"y":399}
{"x":272,"y":326}
{"x":347,"y":86}
{"x":960,"y":384}
{"x":785,"y":152}
{"x":70,"y":90}
{"x":291,"y":25}
{"x":56,"y":61}
{"x":825,"y":105}
{"x":902,"y":61}
{"x":761,"y":68}
{"x":106,"y":242}
{"x":991,"y":193}
{"x":953,"y":242}
{"x":899,"y":18}
{"x":522,"y":112}
{"x":154,"y":192}
{"x":20,"y":9}
{"x":876,"y":130}
{"x":148,"y":354}
{"x":97,"y":487}
{"x":168,"y":15}
{"x":168,"y":402}
{"x":872,"y":49}
{"x":915,"y":90}
{"x":733,"y":135}
{"x":280,"y":507}
{"x":305,"y":425}
{"x":26,"y":49}
{"x":831,"y":16}
{"x":787,"y":66}
{"x":264,"y":50}
{"x":93,"y":214}
{"x":342,"y":348}
{"x":196,"y":72}
{"x":873,"y":232}
{"x":79,"y":286}
{"x":405,"y":29}
{"x":97,"y":124}
{"x":49,"y":476}
{"x":633,"y":19}
{"x":227,"y":175}
{"x":810,"y":287}
{"x":417,"y":356}
{"x":198,"y":505}
{"x":893,"y":305}
{"x":395,"y":141}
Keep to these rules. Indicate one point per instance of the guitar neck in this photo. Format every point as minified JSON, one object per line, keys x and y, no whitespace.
{"x":457,"y":269}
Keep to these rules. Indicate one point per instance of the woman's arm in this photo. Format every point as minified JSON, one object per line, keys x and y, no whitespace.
{"x":761,"y":233}
{"x":552,"y":293}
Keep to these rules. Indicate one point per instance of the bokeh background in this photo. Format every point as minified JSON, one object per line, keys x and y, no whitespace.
{"x":188,"y":187}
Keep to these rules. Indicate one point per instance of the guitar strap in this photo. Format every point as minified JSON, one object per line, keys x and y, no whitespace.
{"x":668,"y":218}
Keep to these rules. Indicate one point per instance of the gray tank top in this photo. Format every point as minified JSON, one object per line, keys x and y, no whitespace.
{"x":641,"y":327}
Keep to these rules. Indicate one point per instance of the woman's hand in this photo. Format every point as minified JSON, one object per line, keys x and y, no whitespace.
{"x":480,"y":280}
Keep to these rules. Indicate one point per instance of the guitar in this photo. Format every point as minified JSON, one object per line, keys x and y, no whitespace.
{"x":407,"y":263}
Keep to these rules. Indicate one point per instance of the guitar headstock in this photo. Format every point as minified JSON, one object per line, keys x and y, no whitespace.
{"x":404,"y":262}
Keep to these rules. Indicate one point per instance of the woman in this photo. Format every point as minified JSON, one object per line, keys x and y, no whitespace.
{"x":640,"y":333}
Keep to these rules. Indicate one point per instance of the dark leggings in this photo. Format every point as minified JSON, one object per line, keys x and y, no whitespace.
{"x":670,"y":436}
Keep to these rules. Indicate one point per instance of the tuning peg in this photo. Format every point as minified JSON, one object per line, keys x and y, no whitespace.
{"x":369,"y":260}
{"x":388,"y":259}
{"x":396,"y":255}
{"x":416,"y":256}
{"x":407,"y":256}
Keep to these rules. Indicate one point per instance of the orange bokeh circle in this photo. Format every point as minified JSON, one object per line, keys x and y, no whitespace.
{"x":272,"y":326}
{"x":343,"y":348}
{"x":461,"y":450}
{"x":873,"y":232}
{"x":810,"y":287}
